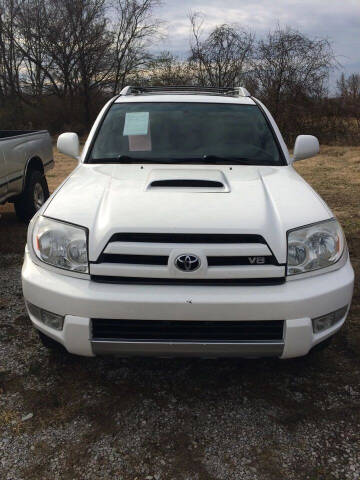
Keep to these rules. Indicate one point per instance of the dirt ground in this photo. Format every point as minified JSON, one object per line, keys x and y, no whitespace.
{"x":66,"y":417}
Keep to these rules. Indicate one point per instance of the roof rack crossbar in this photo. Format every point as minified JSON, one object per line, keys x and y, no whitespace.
{"x":231,"y":91}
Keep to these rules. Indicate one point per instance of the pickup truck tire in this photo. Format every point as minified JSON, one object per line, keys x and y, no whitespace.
{"x":35,"y":194}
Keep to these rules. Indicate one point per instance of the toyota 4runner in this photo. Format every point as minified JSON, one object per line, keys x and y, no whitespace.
{"x":185,"y":230}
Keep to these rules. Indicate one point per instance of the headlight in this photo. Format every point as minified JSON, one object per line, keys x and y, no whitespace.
{"x":61,"y":245}
{"x":314,"y":247}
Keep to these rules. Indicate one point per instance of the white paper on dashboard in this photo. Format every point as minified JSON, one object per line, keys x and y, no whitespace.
{"x":136,"y":123}
{"x":140,"y":143}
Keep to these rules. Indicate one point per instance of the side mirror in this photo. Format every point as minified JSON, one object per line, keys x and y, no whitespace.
{"x":306,"y":146}
{"x":68,"y":144}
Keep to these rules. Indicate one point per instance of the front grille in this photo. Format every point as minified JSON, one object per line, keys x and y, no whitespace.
{"x":177,"y":331}
{"x":148,"y":258}
{"x":186,"y":238}
{"x":187,"y":281}
{"x":134,"y":259}
{"x":223,"y":261}
{"x":240,"y":260}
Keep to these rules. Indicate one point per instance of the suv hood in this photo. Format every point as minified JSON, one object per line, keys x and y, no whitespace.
{"x":109,"y":199}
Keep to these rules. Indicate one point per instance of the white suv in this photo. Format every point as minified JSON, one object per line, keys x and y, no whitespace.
{"x":185,"y":230}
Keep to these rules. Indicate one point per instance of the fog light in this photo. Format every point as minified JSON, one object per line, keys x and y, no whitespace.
{"x":34,"y":311}
{"x":49,"y":319}
{"x":52,"y":320}
{"x":326,"y":321}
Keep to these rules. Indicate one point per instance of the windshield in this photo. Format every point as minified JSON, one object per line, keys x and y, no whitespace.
{"x":185,"y":132}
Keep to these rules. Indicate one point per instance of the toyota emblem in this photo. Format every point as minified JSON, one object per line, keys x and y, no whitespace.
{"x":187,"y":262}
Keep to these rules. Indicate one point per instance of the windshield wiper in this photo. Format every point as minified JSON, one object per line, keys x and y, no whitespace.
{"x":125,"y":159}
{"x":229,"y":160}
{"x":216,"y":160}
{"x":128,"y":159}
{"x":205,"y":159}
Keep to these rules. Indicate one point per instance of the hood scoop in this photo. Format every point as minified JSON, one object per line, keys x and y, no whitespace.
{"x":200,"y":181}
{"x":187,"y":183}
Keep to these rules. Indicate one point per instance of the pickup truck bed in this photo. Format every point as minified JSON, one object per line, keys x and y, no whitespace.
{"x":17,"y":133}
{"x":25,"y":157}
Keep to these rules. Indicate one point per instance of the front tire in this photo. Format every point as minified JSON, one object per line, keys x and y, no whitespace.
{"x":35,"y":194}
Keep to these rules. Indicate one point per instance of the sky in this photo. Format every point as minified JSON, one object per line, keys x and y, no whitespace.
{"x":336,"y":20}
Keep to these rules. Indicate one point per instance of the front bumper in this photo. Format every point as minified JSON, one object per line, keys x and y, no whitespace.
{"x":295,"y":302}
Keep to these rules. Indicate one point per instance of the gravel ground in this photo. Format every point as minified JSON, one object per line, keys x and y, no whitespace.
{"x":64,"y":417}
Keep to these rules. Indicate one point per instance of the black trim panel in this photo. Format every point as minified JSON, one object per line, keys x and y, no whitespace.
{"x":187,"y":330}
{"x":218,"y":261}
{"x":133,"y":259}
{"x":249,"y":282}
{"x":224,"y":261}
{"x":186,"y":238}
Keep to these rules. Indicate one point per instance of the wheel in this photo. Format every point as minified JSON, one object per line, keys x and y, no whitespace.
{"x":35,"y":194}
{"x":51,"y":344}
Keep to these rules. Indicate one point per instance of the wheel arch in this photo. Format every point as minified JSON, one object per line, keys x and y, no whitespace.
{"x":33,"y":163}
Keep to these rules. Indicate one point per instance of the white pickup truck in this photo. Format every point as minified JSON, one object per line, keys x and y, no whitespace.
{"x":25,"y":156}
{"x":185,"y":230}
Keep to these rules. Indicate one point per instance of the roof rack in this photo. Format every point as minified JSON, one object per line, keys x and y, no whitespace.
{"x":186,"y":90}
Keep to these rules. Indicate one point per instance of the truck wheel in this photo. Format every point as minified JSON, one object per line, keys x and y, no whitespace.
{"x":35,"y":194}
{"x":51,"y":344}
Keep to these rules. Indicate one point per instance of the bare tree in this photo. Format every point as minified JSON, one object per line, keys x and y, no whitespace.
{"x":349,"y":88}
{"x":349,"y":101}
{"x":10,"y":56}
{"x":31,"y":26}
{"x":93,"y":42}
{"x":134,"y":27}
{"x":167,"y":69}
{"x":61,"y":44}
{"x":65,"y":45}
{"x":291,"y":66}
{"x":60,"y":59}
{"x":221,"y":59}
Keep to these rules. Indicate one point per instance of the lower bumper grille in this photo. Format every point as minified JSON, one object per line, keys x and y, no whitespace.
{"x":184,"y":281}
{"x":190,"y":331}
